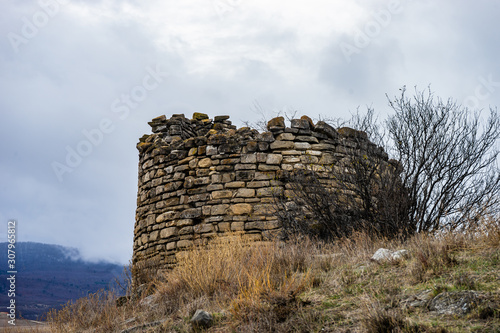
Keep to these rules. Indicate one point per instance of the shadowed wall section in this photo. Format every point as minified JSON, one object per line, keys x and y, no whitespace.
{"x":201,"y":177}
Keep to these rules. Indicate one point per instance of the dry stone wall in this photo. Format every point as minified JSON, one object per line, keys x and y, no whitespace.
{"x":201,"y":177}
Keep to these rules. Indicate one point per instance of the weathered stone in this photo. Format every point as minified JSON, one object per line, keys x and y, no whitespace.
{"x":214,"y":187}
{"x":235,"y":184}
{"x":245,"y":175}
{"x":266,"y":137}
{"x":193,"y":163}
{"x":263,"y":146}
{"x":255,"y":184}
{"x":222,"y":194}
{"x":217,"y":139}
{"x":190,"y":213}
{"x":310,"y":139}
{"x":323,"y":146}
{"x":219,"y":119}
{"x":456,"y":303}
{"x":282,"y":145}
{"x":228,"y":177}
{"x":230,"y":161}
{"x":202,"y":181}
{"x":285,"y":137}
{"x":300,"y":124}
{"x":202,"y":150}
{"x":261,"y":157}
{"x":291,"y":152}
{"x":327,"y":159}
{"x":326,"y":129}
{"x":291,"y":159}
{"x":269,"y":191}
{"x":237,"y":226}
{"x":387,"y":255}
{"x":219,"y":209}
{"x":179,"y":175}
{"x":205,"y":209}
{"x":277,"y":123}
{"x":245,"y":193}
{"x":205,"y":163}
{"x":241,"y":208}
{"x":170,"y":215}
{"x":248,"y":158}
{"x":153,"y":235}
{"x":184,"y":222}
{"x":199,"y":116}
{"x":264,"y":175}
{"x":264,"y":209}
{"x":211,"y":150}
{"x":245,"y":167}
{"x":352,"y":133}
{"x":314,"y":152}
{"x":172,"y":201}
{"x":168,"y":232}
{"x":251,"y":146}
{"x":309,"y":159}
{"x":224,"y":227}
{"x":203,"y":228}
{"x":267,"y":167}
{"x":186,"y":230}
{"x":217,"y":178}
{"x":274,"y":159}
{"x":309,"y":120}
{"x":302,"y":145}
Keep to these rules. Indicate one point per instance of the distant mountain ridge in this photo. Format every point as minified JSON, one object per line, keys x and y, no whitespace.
{"x":51,"y":275}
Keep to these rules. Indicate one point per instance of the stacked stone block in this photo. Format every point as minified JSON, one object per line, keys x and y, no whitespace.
{"x":201,"y":177}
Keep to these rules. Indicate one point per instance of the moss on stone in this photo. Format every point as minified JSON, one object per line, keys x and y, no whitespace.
{"x":199,"y":116}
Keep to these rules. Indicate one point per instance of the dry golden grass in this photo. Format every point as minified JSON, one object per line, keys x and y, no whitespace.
{"x":308,"y":286}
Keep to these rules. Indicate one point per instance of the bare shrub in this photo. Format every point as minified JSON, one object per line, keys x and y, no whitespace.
{"x":360,"y":192}
{"x":449,"y":161}
{"x":445,"y":175}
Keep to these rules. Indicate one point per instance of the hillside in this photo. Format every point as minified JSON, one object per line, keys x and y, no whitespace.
{"x":50,"y":275}
{"x":441,"y":283}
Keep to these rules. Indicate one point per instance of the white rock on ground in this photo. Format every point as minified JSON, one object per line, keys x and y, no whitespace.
{"x":388,"y":255}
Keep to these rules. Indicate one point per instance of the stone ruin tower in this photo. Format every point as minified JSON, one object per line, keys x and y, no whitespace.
{"x":201,"y":177}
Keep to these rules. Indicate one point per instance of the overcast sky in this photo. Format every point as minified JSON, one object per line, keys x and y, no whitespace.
{"x":79,"y":80}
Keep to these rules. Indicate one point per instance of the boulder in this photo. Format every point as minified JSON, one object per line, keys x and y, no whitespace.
{"x":454,"y":303}
{"x":201,"y":318}
{"x":382,"y":255}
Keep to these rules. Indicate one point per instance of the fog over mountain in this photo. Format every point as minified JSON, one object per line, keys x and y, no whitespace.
{"x":51,"y":275}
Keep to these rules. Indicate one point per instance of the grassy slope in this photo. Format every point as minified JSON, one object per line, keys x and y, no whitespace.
{"x":304,"y":286}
